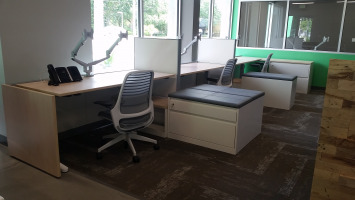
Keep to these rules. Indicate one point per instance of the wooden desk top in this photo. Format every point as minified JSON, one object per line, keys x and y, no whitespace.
{"x":97,"y":82}
{"x":196,"y":67}
{"x":291,"y":61}
{"x":252,"y":59}
{"x":243,"y":60}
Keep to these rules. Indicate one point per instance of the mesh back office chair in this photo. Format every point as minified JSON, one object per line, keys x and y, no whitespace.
{"x":226,"y":77}
{"x":263,"y":66}
{"x":266,"y":64}
{"x":133,"y":111}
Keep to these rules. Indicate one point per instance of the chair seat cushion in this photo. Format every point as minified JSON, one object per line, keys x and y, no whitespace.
{"x":126,"y":123}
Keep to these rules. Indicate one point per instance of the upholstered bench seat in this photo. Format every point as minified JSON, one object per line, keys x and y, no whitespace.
{"x":217,"y":95}
{"x":280,"y":89}
{"x":217,"y":117}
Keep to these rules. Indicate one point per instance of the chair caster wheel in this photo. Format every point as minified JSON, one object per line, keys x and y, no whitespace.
{"x":99,"y":155}
{"x":156,"y":147}
{"x":135,"y":159}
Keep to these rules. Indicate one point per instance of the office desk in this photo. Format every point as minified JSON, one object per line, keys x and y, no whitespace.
{"x":210,"y":70}
{"x":243,"y":60}
{"x":88,"y":84}
{"x":197,"y":67}
{"x":31,"y":116}
{"x":300,"y":68}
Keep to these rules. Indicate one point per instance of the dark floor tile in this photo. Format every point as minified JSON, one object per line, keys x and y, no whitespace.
{"x":277,"y":164}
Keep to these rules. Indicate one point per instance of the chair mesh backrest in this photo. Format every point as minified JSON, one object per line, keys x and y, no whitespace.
{"x":266,"y":64}
{"x":134,"y":107}
{"x":136,"y":92}
{"x":227,"y":73}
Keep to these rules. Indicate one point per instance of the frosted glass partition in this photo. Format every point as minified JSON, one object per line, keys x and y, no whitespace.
{"x":162,"y":55}
{"x":216,"y":50}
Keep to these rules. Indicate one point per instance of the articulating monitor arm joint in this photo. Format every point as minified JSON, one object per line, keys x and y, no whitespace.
{"x":198,"y":37}
{"x":88,"y":66}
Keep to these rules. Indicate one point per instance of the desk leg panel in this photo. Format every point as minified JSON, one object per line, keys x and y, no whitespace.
{"x":31,"y":124}
{"x":249,"y":122}
{"x":278,"y":93}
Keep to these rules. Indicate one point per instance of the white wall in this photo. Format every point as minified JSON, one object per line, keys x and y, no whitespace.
{"x":38,"y":32}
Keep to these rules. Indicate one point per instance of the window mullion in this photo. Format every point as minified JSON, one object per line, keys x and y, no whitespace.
{"x":230,"y":19}
{"x":140,"y":19}
{"x":286,"y":25}
{"x":210,"y":22}
{"x":342,"y":25}
{"x":178,"y":29}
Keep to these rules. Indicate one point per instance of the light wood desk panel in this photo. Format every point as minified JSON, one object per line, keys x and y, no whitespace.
{"x":31,"y":116}
{"x":31,"y":124}
{"x":197,"y":67}
{"x":88,"y":84}
{"x":244,"y":60}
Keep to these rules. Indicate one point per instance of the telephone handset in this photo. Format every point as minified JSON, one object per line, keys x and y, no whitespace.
{"x":53,"y":76}
{"x":74,"y":73}
{"x":63,"y":74}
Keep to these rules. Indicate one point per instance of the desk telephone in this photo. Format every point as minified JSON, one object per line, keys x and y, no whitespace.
{"x":63,"y":74}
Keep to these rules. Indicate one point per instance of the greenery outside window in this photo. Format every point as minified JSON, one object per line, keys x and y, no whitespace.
{"x":215,"y":18}
{"x":108,"y":19}
{"x":204,"y":17}
{"x":160,"y":18}
{"x":221,"y":19}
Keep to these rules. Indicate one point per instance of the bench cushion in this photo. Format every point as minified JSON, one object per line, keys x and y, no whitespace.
{"x":218,"y":95}
{"x":284,"y":77}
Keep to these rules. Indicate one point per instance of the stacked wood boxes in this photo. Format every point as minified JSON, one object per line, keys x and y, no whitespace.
{"x":334,"y":173}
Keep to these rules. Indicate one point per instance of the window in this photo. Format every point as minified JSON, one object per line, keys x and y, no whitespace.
{"x":312,"y":26}
{"x":215,"y":18}
{"x":204,"y":16}
{"x":262,"y":24}
{"x":160,"y":18}
{"x":348,"y":36}
{"x":317,"y":25}
{"x":221,"y":19}
{"x":109,"y":18}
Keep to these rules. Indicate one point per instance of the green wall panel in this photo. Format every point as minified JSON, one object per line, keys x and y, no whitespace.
{"x":235,"y":19}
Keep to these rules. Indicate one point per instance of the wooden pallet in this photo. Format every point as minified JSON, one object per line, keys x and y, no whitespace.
{"x":334,"y":173}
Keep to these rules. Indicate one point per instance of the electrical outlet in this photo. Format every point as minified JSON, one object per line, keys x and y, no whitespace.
{"x":352,"y":39}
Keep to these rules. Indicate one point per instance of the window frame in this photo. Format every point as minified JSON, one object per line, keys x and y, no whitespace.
{"x":211,"y":17}
{"x":237,"y":35}
{"x":138,"y":11}
{"x":141,"y":20}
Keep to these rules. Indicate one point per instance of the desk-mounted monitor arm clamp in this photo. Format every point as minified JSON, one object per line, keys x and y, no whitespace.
{"x":88,"y":66}
{"x":198,"y":37}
